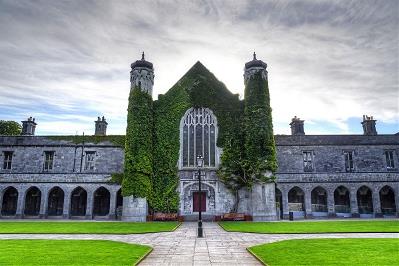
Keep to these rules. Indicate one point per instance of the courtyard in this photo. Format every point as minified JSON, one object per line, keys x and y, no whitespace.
{"x":174,"y":244}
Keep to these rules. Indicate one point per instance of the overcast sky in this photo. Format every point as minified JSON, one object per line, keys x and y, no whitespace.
{"x":329,"y":62}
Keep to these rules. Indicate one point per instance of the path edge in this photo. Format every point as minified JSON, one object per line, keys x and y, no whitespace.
{"x":256,"y":256}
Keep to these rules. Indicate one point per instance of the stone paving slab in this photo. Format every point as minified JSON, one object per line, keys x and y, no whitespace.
{"x":182,"y":247}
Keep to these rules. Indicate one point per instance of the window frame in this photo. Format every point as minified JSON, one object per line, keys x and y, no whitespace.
{"x":350,"y":154}
{"x":308,"y":165}
{"x":46,"y":163}
{"x":90,"y":163}
{"x":389,"y":162}
{"x":196,"y":120}
{"x":7,"y":161}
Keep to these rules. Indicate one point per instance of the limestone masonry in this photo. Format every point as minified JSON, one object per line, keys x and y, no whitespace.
{"x":317,"y":176}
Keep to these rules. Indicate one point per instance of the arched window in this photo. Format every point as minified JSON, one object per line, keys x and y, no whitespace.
{"x":198,"y":131}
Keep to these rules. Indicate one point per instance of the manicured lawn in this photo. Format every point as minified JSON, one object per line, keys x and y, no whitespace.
{"x":312,"y":227}
{"x":39,"y":227}
{"x":70,"y":252}
{"x":347,"y":251}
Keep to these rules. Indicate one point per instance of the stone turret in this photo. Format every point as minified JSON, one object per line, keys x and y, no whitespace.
{"x":253,"y":67}
{"x":142,"y":75}
{"x":101,"y":127}
{"x":28,"y":126}
{"x":369,"y":126}
{"x":297,"y":126}
{"x":257,"y":100}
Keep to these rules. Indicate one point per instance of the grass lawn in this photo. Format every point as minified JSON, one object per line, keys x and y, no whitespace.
{"x":70,"y":252}
{"x":312,"y":227}
{"x":41,"y":227}
{"x":347,"y":251}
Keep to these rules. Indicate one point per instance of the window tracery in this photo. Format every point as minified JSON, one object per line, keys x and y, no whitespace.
{"x":198,"y":137}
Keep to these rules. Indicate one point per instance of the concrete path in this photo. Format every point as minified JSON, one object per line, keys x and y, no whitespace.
{"x":182,"y":247}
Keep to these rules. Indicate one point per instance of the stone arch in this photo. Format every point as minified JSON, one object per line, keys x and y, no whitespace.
{"x":342,"y":200}
{"x":78,"y":202}
{"x":101,"y":202}
{"x":387,"y":199}
{"x":119,"y":203}
{"x":33,"y":198}
{"x":319,"y":199}
{"x":10,"y":202}
{"x":296,"y":199}
{"x":279,"y":202}
{"x":55,"y":201}
{"x":188,"y":196}
{"x":365,"y":200}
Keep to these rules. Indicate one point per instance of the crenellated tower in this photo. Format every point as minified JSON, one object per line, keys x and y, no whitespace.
{"x":142,"y":75}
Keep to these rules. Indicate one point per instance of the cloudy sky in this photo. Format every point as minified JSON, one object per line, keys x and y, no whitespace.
{"x":329,"y":62}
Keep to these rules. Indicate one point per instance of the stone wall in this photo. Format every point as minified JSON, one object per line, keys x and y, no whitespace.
{"x":370,"y":170}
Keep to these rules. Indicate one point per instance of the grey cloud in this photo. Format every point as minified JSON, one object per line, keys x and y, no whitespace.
{"x":75,"y":54}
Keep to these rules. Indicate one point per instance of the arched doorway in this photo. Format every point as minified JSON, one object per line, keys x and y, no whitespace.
{"x":78,"y":202}
{"x":279,"y":202}
{"x":101,"y":202}
{"x":319,"y":201}
{"x":55,"y":202}
{"x":119,"y":204}
{"x":296,"y":201}
{"x":342,"y":201}
{"x":365,"y":200}
{"x":32,"y":201}
{"x":387,"y":198}
{"x":10,"y":201}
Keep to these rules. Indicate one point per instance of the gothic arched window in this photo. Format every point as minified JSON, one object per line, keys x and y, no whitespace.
{"x":198,"y":131}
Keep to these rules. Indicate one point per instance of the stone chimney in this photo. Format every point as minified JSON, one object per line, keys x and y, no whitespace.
{"x":28,"y":126}
{"x":101,"y":127}
{"x":369,"y":126}
{"x":297,"y":126}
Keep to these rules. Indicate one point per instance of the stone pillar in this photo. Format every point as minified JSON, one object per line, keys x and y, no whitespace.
{"x":89,"y":205}
{"x":330,"y":204}
{"x":1,"y":199}
{"x":264,"y":202}
{"x":43,"y":203}
{"x":67,"y":204}
{"x":134,"y":209}
{"x":112,"y":205}
{"x":377,"y":204}
{"x":353,"y":201}
{"x":20,"y":203}
{"x":308,"y":203}
{"x":286,"y":210}
{"x":396,"y":191}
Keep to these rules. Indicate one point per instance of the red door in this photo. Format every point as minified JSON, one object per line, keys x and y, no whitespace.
{"x":196,"y":196}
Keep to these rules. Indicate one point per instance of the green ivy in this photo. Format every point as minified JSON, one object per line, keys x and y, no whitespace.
{"x":153,"y":132}
{"x":197,"y":88}
{"x":260,"y":151}
{"x":250,"y":153}
{"x":138,"y":169}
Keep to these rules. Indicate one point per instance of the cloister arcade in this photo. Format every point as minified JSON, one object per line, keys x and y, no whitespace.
{"x":339,"y":200}
{"x":88,"y":202}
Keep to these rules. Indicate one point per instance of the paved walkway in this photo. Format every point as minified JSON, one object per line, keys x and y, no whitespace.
{"x":182,"y":247}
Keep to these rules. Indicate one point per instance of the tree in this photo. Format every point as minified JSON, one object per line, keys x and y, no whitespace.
{"x":10,"y":128}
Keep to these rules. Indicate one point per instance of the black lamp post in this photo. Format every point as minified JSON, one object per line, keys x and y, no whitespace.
{"x":200,"y":162}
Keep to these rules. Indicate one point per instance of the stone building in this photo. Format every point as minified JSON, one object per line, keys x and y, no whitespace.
{"x":318,"y":175}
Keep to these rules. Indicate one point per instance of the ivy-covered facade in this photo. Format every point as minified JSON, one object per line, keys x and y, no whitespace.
{"x":199,"y":116}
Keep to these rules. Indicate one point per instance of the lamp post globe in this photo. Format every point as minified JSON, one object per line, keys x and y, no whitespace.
{"x":200,"y":163}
